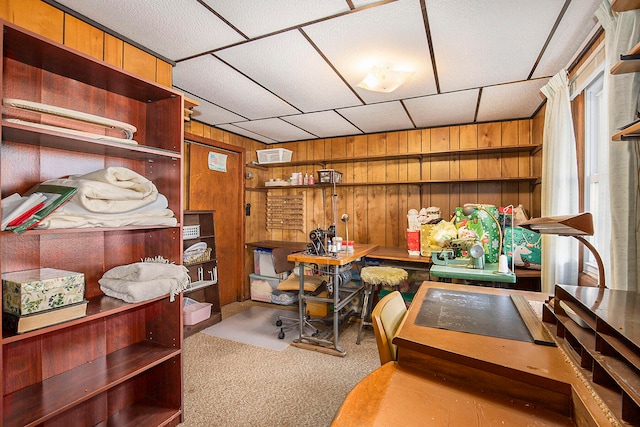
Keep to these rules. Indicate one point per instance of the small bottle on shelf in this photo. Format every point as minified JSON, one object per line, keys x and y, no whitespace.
{"x":311,"y":179}
{"x":305,"y":181}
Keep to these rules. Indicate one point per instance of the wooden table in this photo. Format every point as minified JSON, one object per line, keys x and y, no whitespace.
{"x":339,"y":296}
{"x":272,"y":244}
{"x":448,"y":377}
{"x":393,"y":253}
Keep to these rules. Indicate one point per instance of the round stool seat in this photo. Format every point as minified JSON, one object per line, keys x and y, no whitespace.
{"x":372,"y":277}
{"x":390,"y":276}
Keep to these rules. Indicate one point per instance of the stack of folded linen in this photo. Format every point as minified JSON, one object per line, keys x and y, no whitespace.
{"x":142,"y":281}
{"x":111,"y":197}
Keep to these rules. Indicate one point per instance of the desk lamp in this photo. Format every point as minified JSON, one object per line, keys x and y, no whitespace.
{"x":577,"y":226}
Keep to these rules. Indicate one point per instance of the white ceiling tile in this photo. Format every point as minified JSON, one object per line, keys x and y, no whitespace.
{"x":568,"y":37}
{"x":309,"y":85}
{"x":213,"y":80}
{"x":240,"y":131}
{"x":361,"y":3}
{"x":511,"y":101}
{"x":255,"y":18}
{"x":210,"y":113}
{"x":174,"y":29}
{"x":378,"y":117}
{"x":481,"y":43}
{"x":446,"y":109}
{"x":324,"y":124}
{"x":391,"y":34}
{"x":276,"y":129}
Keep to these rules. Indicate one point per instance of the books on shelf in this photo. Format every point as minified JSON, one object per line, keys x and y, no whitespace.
{"x":29,"y":322}
{"x":15,"y":207}
{"x":49,"y":196}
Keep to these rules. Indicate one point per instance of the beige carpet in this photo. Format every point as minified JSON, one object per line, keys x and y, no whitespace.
{"x":230,"y":384}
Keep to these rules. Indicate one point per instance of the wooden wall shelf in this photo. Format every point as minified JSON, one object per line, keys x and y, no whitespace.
{"x":624,"y":5}
{"x":533,"y":180}
{"x":632,"y":131}
{"x":629,"y":63}
{"x":531,"y":149}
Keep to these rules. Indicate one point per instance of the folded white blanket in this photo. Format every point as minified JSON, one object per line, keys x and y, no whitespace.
{"x":163,"y":217}
{"x":143,"y":281}
{"x":159,"y":204}
{"x":111,"y":190}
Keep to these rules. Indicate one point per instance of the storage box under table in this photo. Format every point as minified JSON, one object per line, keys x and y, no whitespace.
{"x":262,"y":287}
{"x":31,"y":291}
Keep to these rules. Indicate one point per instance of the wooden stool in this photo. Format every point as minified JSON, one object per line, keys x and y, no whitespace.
{"x":372,"y":277}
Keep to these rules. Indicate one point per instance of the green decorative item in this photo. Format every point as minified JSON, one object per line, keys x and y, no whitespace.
{"x":481,"y":222}
{"x":525,"y":247}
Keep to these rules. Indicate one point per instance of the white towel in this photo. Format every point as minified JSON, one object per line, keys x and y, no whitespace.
{"x":143,"y":281}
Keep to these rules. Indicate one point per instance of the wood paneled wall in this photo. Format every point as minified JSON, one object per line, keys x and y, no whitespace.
{"x":378,"y":212}
{"x":46,"y":20}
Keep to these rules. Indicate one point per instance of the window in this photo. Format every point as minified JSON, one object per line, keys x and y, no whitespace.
{"x":596,"y":171}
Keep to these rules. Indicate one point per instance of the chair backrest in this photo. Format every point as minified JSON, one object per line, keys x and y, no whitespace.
{"x":280,"y":262}
{"x":386,"y":317}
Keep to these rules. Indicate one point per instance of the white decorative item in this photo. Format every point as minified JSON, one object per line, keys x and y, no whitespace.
{"x":217,"y":162}
{"x":274,"y":155}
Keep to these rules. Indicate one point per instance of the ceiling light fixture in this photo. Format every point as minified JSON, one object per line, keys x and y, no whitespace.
{"x":384,"y":79}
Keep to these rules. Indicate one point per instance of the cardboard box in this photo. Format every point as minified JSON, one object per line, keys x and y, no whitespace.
{"x":318,"y":308}
{"x":31,"y":291}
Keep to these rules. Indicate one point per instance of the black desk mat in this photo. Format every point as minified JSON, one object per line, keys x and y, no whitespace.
{"x":475,"y":313}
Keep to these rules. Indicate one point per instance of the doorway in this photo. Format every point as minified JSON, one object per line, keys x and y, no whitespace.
{"x":220,"y":188}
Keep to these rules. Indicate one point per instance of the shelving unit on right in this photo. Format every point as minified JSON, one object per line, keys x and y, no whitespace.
{"x":204,"y":285}
{"x":607,"y":347}
{"x":624,"y":5}
{"x":629,"y":63}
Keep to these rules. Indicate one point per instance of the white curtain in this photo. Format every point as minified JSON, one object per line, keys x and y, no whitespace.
{"x":559,"y":183}
{"x":622,"y":32}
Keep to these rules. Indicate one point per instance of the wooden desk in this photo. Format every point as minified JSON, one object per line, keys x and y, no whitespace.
{"x":393,"y":253}
{"x":339,"y":297}
{"x":453,"y":371}
{"x":526,"y":280}
{"x":395,"y":396}
{"x":272,"y":244}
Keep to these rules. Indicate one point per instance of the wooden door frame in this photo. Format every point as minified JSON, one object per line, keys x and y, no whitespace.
{"x":192,"y":138}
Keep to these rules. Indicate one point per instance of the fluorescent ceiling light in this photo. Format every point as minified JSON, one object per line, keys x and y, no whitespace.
{"x":384,"y":79}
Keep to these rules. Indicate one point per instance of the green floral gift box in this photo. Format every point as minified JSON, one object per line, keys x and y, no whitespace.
{"x":31,"y":291}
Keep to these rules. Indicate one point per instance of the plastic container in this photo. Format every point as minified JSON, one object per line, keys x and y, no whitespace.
{"x":262,"y":287}
{"x":195,"y":312}
{"x":274,"y":155}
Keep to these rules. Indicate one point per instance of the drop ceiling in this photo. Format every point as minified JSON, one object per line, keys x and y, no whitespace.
{"x":287,"y":70}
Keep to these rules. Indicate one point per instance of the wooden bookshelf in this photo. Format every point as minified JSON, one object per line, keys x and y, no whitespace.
{"x":121,"y":364}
